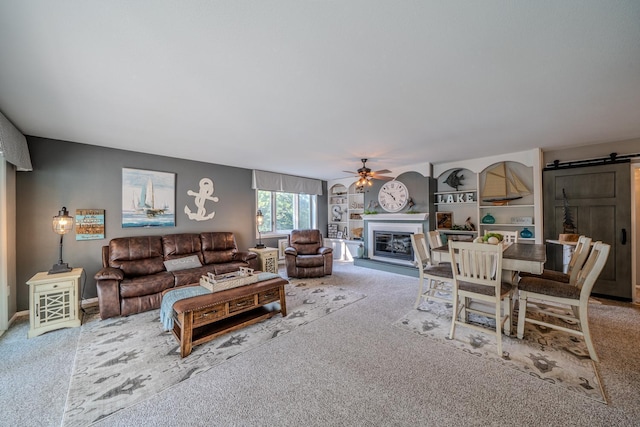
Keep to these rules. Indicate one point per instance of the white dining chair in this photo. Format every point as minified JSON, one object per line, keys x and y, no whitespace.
{"x":438,"y":278}
{"x":574,"y":295}
{"x":578,"y":258}
{"x":477,"y":277}
{"x":507,"y":236}
{"x":435,"y":239}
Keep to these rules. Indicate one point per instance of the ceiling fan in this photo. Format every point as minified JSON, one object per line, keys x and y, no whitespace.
{"x":366,"y":175}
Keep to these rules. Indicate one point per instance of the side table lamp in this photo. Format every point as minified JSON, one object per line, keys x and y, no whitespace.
{"x":259,"y":221}
{"x":62,"y":224}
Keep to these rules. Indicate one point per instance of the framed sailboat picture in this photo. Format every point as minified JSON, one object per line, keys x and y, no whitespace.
{"x":148,"y":198}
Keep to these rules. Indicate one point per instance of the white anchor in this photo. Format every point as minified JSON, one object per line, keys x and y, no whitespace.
{"x":206,"y":190}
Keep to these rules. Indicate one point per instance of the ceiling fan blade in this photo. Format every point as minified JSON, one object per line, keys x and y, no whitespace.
{"x":351,"y":172}
{"x":382,"y":177}
{"x":382,"y":171}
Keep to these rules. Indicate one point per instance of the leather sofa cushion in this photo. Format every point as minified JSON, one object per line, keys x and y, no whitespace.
{"x":229,"y":267}
{"x":192,"y":275}
{"x":137,"y":256}
{"x":308,"y":261}
{"x":181,"y":245}
{"x":146,"y":285}
{"x":218,"y":247}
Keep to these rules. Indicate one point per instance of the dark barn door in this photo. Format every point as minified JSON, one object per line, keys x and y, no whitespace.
{"x":599,"y":200}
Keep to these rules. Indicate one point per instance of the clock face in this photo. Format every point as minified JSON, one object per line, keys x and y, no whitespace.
{"x":393,"y":196}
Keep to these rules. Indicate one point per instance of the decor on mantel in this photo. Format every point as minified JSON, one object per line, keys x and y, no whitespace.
{"x":62,"y":224}
{"x":204,"y":195}
{"x":404,"y":216}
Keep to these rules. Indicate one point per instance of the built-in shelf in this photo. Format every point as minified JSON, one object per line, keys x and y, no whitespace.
{"x":504,"y":206}
{"x":507,"y":225}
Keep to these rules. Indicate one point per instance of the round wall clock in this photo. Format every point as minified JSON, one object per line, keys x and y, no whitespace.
{"x":393,"y":196}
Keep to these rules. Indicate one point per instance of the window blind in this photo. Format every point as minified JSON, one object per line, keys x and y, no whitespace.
{"x":271,"y":181}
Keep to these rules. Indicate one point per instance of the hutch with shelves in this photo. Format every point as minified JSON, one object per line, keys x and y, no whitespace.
{"x":475,"y":198}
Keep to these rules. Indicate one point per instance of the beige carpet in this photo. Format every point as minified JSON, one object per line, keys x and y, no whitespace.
{"x":123,"y":361}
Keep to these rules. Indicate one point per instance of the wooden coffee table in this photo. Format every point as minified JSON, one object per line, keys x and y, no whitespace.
{"x":200,"y":319}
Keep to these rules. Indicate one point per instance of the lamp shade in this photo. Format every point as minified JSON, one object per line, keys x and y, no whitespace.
{"x":259,"y":218}
{"x":62,"y":223}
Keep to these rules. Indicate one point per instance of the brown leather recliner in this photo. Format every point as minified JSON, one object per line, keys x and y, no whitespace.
{"x":306,"y":257}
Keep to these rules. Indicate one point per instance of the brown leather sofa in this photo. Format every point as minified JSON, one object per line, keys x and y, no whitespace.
{"x":306,"y":257}
{"x":134,"y":272}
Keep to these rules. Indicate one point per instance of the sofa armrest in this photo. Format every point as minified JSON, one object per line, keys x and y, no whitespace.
{"x":108,"y":298}
{"x":291,"y":251}
{"x":108,"y":286}
{"x":109,"y":273}
{"x":245,"y":256}
{"x":324,"y":250}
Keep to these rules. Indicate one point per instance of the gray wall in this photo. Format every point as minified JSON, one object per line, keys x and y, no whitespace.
{"x":81,"y":176}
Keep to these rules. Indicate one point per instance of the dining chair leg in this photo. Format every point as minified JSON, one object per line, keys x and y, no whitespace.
{"x":467,"y":303}
{"x":498,"y":310}
{"x":522,"y":312}
{"x":420,"y":290}
{"x":455,"y":314}
{"x":584,"y":325}
{"x":508,"y":312}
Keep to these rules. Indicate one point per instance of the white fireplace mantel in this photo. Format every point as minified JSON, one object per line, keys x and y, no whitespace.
{"x":421,"y":216}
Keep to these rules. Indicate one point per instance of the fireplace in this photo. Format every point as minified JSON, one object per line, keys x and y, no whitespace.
{"x":391,"y":241}
{"x":393,"y":244}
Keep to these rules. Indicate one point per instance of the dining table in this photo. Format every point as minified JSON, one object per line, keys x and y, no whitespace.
{"x":525,"y":257}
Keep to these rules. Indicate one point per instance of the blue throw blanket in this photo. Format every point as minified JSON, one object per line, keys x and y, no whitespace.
{"x":171,"y":297}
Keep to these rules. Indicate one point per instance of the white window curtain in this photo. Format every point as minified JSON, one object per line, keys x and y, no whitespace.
{"x":271,"y":181}
{"x":13,"y":145}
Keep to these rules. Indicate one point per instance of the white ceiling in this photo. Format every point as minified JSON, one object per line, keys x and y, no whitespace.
{"x":309,"y":87}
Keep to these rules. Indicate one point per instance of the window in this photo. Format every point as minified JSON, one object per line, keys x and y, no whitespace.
{"x":284,"y":212}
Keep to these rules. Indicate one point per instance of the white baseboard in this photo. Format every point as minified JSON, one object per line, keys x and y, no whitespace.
{"x":90,"y":302}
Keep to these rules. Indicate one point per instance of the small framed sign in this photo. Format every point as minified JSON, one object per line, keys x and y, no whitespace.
{"x":89,"y":224}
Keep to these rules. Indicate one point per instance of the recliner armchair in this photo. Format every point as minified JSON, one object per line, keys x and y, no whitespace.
{"x":306,"y":257}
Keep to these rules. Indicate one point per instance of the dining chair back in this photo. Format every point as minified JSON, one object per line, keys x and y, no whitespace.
{"x":575,"y":295}
{"x":477,"y":277}
{"x":437,"y":277}
{"x":507,"y":236}
{"x":435,"y":239}
{"x":579,"y":256}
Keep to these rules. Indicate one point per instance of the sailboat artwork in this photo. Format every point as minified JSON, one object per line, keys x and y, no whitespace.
{"x":502,"y":185}
{"x":147,"y":198}
{"x":146,"y":202}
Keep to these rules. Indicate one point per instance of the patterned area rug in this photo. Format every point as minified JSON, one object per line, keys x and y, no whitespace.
{"x":554,"y":356}
{"x":123,"y":361}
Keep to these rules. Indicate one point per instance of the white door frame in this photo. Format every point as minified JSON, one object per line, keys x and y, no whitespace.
{"x":635,"y":211}
{"x":4,"y":275}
